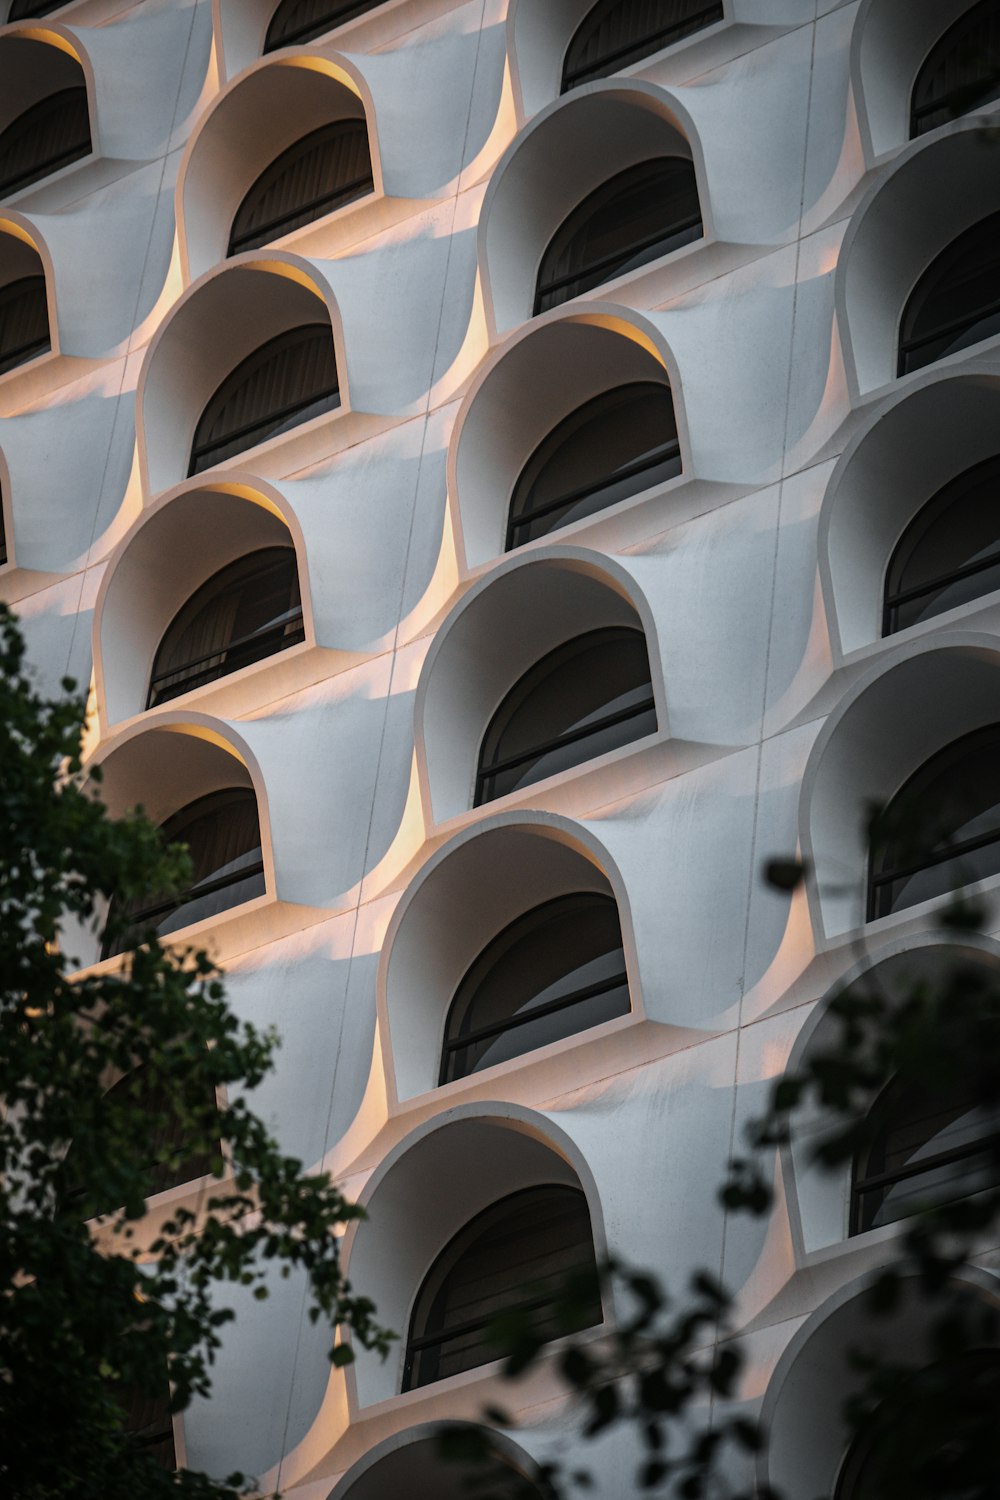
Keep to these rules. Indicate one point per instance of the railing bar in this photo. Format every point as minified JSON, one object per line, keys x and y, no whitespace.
{"x":600,"y":987}
{"x":968,"y":570}
{"x":255,"y":637}
{"x":612,"y":259}
{"x":954,"y":851}
{"x":569,"y":738}
{"x":302,"y":208}
{"x":931,"y":1164}
{"x":635,"y":466}
{"x":264,"y":422}
{"x":642,"y":41}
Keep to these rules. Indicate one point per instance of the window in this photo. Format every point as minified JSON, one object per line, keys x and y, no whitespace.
{"x":24,"y":321}
{"x":49,"y":135}
{"x":244,"y":613}
{"x":961,"y":71}
{"x":588,"y":696}
{"x":961,"y":1389}
{"x":556,"y":970}
{"x":513,"y":1255}
{"x":222,"y":834}
{"x":3,"y":538}
{"x":286,"y":381}
{"x":927,"y":1149}
{"x":302,"y":20}
{"x":949,"y":553}
{"x":26,"y":10}
{"x":618,"y":32}
{"x":620,"y":443}
{"x":632,"y":219}
{"x":148,"y":1424}
{"x":943,"y":826}
{"x":323,"y":171}
{"x":956,"y":302}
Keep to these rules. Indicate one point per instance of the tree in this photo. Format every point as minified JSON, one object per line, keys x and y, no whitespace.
{"x":97,"y":1315}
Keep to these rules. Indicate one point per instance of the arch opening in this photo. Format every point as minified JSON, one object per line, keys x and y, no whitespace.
{"x":616,"y":33}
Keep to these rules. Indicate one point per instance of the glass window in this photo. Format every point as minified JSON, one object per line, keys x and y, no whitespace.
{"x":961,"y":71}
{"x":515,"y":1254}
{"x":303,"y":20}
{"x":928,"y":1149}
{"x":49,"y":135}
{"x":24,"y":322}
{"x":288,"y":380}
{"x":620,"y":443}
{"x":956,"y":302}
{"x":323,"y":171}
{"x":3,"y":539}
{"x":632,"y":219}
{"x":222,"y":835}
{"x":944,"y":826}
{"x":949,"y":553}
{"x":618,"y":32}
{"x":588,"y":696}
{"x":556,"y":970}
{"x":957,"y":1397}
{"x":244,"y":613}
{"x":149,"y":1425}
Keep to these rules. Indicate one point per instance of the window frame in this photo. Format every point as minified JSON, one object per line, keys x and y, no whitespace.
{"x":262,"y":424}
{"x":524,"y":684}
{"x":461,"y":1042}
{"x":417,"y":1343}
{"x":662,"y":38}
{"x":328,"y":203}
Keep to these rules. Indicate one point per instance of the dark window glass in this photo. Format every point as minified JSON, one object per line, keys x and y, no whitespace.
{"x":286,"y":381}
{"x":513,"y":1255}
{"x":928,"y":1149}
{"x":49,"y":135}
{"x":247,"y":611}
{"x":302,"y":20}
{"x":620,"y":443}
{"x":588,"y":696}
{"x":222,"y":835}
{"x":148,"y":1424}
{"x":961,"y":71}
{"x":553,"y":972}
{"x":618,"y":32}
{"x":949,"y":553}
{"x":326,"y":169}
{"x":944,"y":826}
{"x":26,"y":10}
{"x":3,"y":539}
{"x":24,"y":322}
{"x":632,"y":219}
{"x":955,"y":1397}
{"x":956,"y":302}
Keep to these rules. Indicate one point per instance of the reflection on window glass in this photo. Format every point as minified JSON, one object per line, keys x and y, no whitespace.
{"x":555,"y":971}
{"x":956,"y":302}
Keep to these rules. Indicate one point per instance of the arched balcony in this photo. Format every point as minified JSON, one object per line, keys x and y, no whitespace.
{"x":410,"y":1463}
{"x":45,"y":122}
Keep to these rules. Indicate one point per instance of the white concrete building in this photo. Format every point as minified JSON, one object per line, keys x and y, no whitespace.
{"x":507,"y":468}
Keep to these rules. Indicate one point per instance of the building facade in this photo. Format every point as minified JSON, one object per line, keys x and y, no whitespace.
{"x":507,"y":468}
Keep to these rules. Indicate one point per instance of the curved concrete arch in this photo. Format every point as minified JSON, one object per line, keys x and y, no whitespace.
{"x":931,"y":193}
{"x":451,"y":710}
{"x":941,"y":688}
{"x":154,"y":570}
{"x":488,"y":448}
{"x":239,"y":127}
{"x":812,"y":1374}
{"x":918,"y":438}
{"x":411,"y":1014}
{"x":549,"y":168}
{"x":358,"y":1482}
{"x":451,"y":1148}
{"x":170,"y":395}
{"x":890,"y":40}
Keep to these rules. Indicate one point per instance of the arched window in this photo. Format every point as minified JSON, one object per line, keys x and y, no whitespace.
{"x":303,"y":20}
{"x":24,"y":321}
{"x":323,"y":171}
{"x":49,"y":135}
{"x":961,"y":71}
{"x":618,"y":32}
{"x":618,"y":444}
{"x":513,"y":1255}
{"x":222,"y":835}
{"x":590,"y":695}
{"x":928,"y":1148}
{"x":632,"y":219}
{"x":244,"y":613}
{"x":949,"y":553}
{"x":943,"y":826}
{"x":956,"y":302}
{"x":956,"y":1397}
{"x":556,"y":970}
{"x":286,"y":381}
